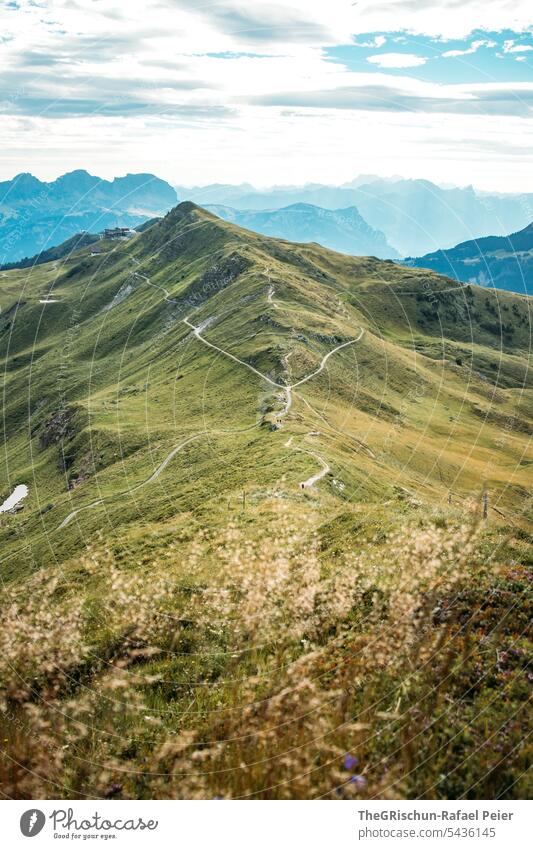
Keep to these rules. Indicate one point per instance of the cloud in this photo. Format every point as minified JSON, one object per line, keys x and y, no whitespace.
{"x":474,"y":47}
{"x":378,"y":41}
{"x":510,"y":46}
{"x":49,"y":107}
{"x":262,"y":22}
{"x":510,"y":100}
{"x":451,"y":19}
{"x":268,"y":23}
{"x":397,"y":60}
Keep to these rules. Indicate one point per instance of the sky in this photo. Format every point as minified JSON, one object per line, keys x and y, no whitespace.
{"x":269,"y":93}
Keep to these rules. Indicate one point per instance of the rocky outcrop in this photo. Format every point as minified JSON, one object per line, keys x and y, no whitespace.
{"x":59,"y":427}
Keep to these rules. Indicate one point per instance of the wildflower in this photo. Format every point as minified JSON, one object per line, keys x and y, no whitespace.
{"x":358,"y":780}
{"x":113,"y":790}
{"x":350,"y":762}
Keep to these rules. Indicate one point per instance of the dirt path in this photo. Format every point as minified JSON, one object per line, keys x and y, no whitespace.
{"x":287,"y":389}
{"x":319,"y":475}
{"x":326,"y":358}
{"x":120,"y":495}
{"x":197,"y":333}
{"x":291,"y":386}
{"x":270,"y":291}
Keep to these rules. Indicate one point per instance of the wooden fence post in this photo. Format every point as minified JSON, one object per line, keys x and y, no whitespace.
{"x":485,"y":504}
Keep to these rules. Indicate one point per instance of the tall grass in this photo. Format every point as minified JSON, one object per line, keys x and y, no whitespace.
{"x":239,"y":667}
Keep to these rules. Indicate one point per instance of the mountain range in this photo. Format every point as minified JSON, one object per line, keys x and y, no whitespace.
{"x":416,"y":216}
{"x":387,"y":218}
{"x":502,"y":262}
{"x":36,"y":215}
{"x":343,"y":230}
{"x":57,"y":252}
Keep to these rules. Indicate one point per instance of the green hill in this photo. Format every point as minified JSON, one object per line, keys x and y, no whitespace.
{"x":438,"y":367}
{"x":199,"y":378}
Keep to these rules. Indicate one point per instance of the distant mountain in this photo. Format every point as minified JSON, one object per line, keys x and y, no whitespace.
{"x":35,"y":215}
{"x":65,"y":249}
{"x":416,"y":216}
{"x":501,"y":262}
{"x":246,"y":197}
{"x":343,"y":230}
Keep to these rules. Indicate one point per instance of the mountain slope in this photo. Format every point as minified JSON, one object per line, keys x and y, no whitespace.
{"x":35,"y":215}
{"x":250,"y":540}
{"x":342,"y":230}
{"x":502,"y":262}
{"x":114,"y":379}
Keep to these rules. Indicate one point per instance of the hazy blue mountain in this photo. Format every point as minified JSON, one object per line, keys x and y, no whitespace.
{"x":416,"y":216}
{"x":61,"y":251}
{"x":502,"y":262}
{"x":246,"y":197}
{"x":214,"y":193}
{"x":342,"y":230}
{"x":35,"y":215}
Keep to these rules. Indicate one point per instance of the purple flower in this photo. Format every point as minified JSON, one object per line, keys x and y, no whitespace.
{"x":360,"y":780}
{"x":350,"y":762}
{"x":113,"y":790}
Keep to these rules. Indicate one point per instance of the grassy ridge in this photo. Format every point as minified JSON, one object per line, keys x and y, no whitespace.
{"x":431,"y":404}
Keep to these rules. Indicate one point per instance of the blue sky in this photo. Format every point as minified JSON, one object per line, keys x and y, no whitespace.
{"x":481,"y":57}
{"x":268,"y":93}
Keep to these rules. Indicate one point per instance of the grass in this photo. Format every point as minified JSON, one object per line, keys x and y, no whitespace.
{"x":258,"y":664}
{"x":217,"y":631}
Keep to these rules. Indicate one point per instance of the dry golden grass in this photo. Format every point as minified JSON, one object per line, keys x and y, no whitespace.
{"x":290,"y":677}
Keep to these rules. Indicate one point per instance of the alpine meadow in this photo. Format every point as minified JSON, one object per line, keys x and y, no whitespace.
{"x":276,"y":542}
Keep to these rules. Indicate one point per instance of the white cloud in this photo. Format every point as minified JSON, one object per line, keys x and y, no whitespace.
{"x":397,"y":60}
{"x":474,"y":47}
{"x":509,"y":46}
{"x":378,"y":41}
{"x":442,"y":18}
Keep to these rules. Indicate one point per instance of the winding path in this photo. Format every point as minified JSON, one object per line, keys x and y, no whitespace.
{"x":319,"y":475}
{"x":290,"y":386}
{"x":155,"y":474}
{"x":287,"y":389}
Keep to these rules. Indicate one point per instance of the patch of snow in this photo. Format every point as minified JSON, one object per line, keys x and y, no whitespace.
{"x":17,"y":495}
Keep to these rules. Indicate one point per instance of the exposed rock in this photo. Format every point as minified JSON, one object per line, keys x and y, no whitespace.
{"x":86,"y":467}
{"x":58,"y":428}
